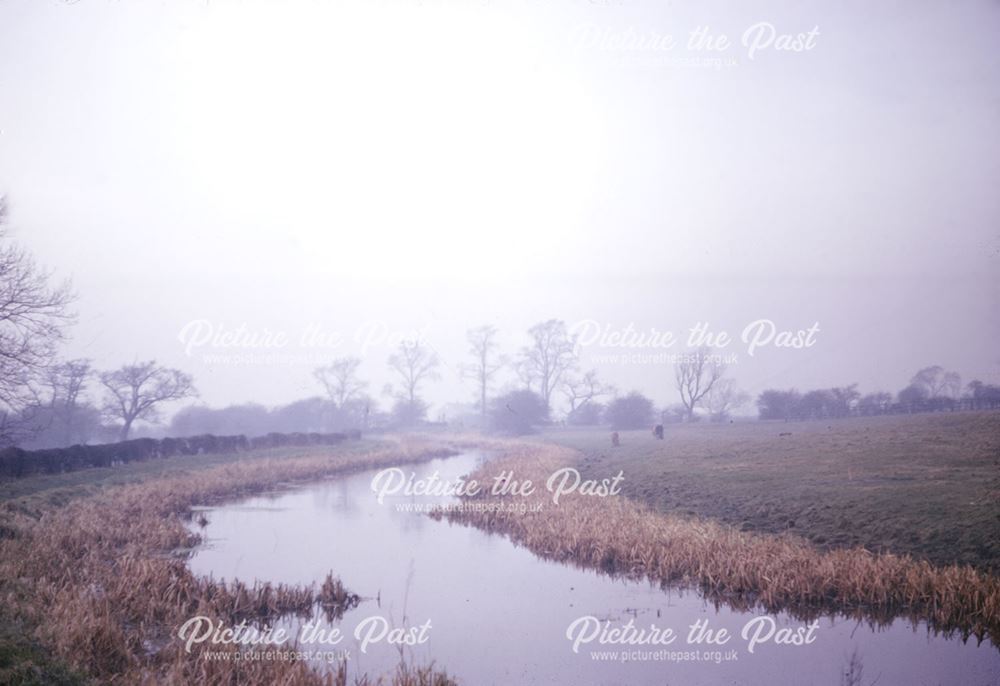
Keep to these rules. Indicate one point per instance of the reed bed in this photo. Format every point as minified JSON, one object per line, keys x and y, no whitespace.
{"x":102,"y":581}
{"x":744,"y":570}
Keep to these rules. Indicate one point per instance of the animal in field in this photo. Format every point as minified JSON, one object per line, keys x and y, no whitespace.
{"x":615,"y":442}
{"x":658,"y":431}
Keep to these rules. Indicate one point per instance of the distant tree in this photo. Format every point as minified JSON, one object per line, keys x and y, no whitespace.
{"x":64,"y":417}
{"x":952,"y":384}
{"x":845,"y":399}
{"x":518,"y":412}
{"x":914,"y":395}
{"x":580,"y":391}
{"x":303,"y":416}
{"x":61,"y":416}
{"x":525,"y":373}
{"x":695,"y":375}
{"x":55,"y":427}
{"x":34,"y":316}
{"x":589,"y":414}
{"x":406,"y":413}
{"x":674,"y":414}
{"x":875,"y":403}
{"x":135,"y":391}
{"x":340,"y":379}
{"x":724,"y":397}
{"x":486,"y":362}
{"x":633,"y":411}
{"x":355,"y":413}
{"x":983,"y":396}
{"x":776,"y":404}
{"x":817,"y":404}
{"x":930,"y":380}
{"x":550,"y":355}
{"x":414,"y":364}
{"x":248,"y":419}
{"x":937,"y":382}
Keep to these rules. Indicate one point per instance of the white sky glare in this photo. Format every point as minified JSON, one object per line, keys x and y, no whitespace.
{"x":434,"y":166}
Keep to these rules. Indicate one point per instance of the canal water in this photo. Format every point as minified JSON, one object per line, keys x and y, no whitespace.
{"x":490,"y":612}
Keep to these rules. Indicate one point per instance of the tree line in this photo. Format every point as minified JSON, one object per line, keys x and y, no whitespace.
{"x":932,"y":389}
{"x":38,"y":392}
{"x":49,"y":402}
{"x":548,"y":368}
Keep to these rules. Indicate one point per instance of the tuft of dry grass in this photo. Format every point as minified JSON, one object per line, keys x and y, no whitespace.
{"x":102,"y":581}
{"x":335,"y":599}
{"x":778,"y":573}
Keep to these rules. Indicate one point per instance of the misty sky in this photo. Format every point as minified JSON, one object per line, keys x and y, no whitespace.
{"x":374,"y":169}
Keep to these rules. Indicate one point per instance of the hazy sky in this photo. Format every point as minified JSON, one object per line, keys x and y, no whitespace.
{"x":372,"y":169}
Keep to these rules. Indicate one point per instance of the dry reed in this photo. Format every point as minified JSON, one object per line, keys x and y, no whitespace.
{"x":743,"y":570}
{"x":102,"y":583}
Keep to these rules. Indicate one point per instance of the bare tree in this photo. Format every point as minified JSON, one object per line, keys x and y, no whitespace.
{"x":485,"y":361}
{"x":66,"y":382}
{"x":845,"y":399}
{"x":551,"y":354}
{"x":60,"y":415}
{"x":952,"y":384}
{"x":582,"y":390}
{"x":695,"y":375}
{"x":875,"y":403}
{"x":937,"y":382}
{"x":414,"y":363}
{"x":525,"y":373}
{"x":724,"y":397}
{"x":340,"y":379}
{"x":135,"y":391}
{"x":34,"y":316}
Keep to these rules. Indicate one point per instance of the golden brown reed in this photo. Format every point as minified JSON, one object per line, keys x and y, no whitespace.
{"x":101,"y":581}
{"x":744,"y":570}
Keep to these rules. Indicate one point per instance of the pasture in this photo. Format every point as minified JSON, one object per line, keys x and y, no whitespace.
{"x":926,"y":485}
{"x":908,"y":485}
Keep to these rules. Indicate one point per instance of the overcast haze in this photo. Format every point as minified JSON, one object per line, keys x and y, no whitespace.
{"x":398,"y":167}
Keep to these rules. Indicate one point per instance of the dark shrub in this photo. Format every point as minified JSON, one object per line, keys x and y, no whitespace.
{"x":633,"y":411}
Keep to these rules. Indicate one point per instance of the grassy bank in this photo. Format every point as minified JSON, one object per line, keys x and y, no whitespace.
{"x":923,"y":485}
{"x":58,"y":489}
{"x":95,"y":584}
{"x":745,"y":570}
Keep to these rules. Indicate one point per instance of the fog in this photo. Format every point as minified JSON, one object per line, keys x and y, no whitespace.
{"x":341,"y":175}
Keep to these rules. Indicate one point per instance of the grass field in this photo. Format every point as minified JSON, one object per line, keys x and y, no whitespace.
{"x":744,"y":570}
{"x":926,"y":485}
{"x":923,"y":485}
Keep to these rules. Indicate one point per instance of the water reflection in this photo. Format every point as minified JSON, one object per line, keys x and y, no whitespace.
{"x":499,"y":614}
